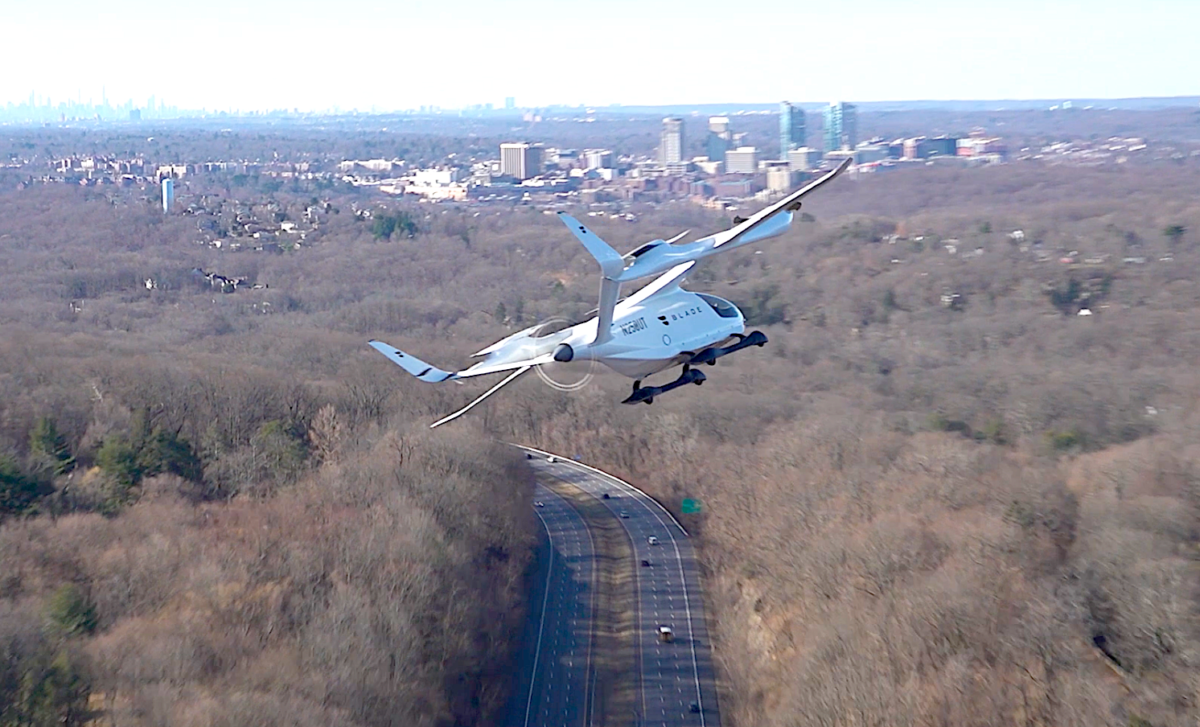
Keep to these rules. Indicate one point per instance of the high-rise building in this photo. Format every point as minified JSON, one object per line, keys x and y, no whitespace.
{"x":520,"y":160}
{"x":792,"y":133}
{"x":742,"y":160}
{"x":841,"y":126}
{"x":598,"y":158}
{"x":671,"y":149}
{"x":510,"y":103}
{"x":168,"y":194}
{"x":716,"y":147}
{"x":719,"y":135}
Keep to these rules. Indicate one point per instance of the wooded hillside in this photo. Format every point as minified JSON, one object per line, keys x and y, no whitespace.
{"x":938,"y":495}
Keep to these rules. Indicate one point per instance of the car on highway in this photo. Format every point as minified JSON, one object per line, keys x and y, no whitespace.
{"x":652,"y":540}
{"x":645,"y":564}
{"x":552,"y":459}
{"x":624,"y":515}
{"x":605,"y":496}
{"x":694,"y":708}
{"x":665,"y":634}
{"x":539,"y":503}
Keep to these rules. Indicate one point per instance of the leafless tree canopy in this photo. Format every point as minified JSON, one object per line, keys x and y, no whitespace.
{"x":938,"y":496}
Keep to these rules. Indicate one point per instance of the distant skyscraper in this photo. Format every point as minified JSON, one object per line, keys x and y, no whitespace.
{"x":715,"y":147}
{"x":671,"y":150}
{"x":520,"y":160}
{"x":168,"y":194}
{"x":510,"y":103}
{"x":718,"y":138}
{"x":792,"y":134}
{"x":841,"y":126}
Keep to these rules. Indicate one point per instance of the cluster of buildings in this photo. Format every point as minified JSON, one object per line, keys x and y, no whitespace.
{"x":728,"y":170}
{"x":102,"y":170}
{"x":1085,"y":152}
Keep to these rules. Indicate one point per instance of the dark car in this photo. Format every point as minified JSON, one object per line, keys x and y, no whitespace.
{"x":528,"y":456}
{"x":605,"y":496}
{"x":645,"y":564}
{"x":694,"y":708}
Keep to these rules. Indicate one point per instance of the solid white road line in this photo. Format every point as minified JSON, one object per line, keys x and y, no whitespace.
{"x":641,"y":499}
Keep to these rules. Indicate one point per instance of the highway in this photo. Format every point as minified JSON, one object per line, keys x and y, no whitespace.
{"x":673,"y":676}
{"x":554,"y":686}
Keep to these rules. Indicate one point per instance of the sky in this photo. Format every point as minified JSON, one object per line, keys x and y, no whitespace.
{"x":401,"y":54}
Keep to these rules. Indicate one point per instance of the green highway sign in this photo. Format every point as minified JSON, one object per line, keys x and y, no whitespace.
{"x":690,"y":506}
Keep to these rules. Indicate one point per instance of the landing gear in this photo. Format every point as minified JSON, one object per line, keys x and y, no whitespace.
{"x":710,"y":355}
{"x":646,"y":394}
{"x":633,"y":397}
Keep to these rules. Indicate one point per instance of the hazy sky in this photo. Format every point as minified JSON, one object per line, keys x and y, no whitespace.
{"x":395,"y":54}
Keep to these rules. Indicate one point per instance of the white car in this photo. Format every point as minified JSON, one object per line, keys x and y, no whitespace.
{"x":652,"y":540}
{"x":552,"y":459}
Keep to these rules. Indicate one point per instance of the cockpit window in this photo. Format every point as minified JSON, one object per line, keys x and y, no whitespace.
{"x":724,"y":308}
{"x":646,"y":248}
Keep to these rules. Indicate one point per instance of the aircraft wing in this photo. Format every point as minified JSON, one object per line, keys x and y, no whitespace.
{"x":790,"y":202}
{"x":483,"y":367}
{"x":668,"y":280}
{"x":432,"y":374}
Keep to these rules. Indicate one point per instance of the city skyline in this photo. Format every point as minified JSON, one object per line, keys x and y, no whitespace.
{"x":1065,"y":52}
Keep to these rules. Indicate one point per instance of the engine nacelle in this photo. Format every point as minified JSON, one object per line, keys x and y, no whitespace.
{"x":564,"y":353}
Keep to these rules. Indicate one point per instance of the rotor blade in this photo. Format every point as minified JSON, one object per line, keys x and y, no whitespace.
{"x":486,"y":394}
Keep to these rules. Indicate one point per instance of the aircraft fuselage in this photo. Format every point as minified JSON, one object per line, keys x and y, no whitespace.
{"x":658,"y":333}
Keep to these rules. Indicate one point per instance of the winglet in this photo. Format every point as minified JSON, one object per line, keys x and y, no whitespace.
{"x":610,"y":261}
{"x":412,"y":364}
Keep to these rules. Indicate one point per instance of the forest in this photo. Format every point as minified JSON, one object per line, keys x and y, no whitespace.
{"x":940,"y":495}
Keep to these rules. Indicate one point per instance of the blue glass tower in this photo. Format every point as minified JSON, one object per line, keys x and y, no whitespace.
{"x":792,"y":134}
{"x":841,"y":126}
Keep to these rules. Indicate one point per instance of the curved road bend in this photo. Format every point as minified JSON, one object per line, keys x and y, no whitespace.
{"x":553,"y":688}
{"x":673,"y":676}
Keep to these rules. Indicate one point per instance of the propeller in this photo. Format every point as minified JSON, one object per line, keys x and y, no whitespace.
{"x":563,"y":374}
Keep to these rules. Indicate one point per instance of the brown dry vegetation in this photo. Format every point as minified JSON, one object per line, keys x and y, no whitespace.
{"x":914,"y":514}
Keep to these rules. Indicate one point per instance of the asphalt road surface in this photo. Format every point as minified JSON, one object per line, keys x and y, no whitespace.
{"x":674,"y":676}
{"x":554,"y":688}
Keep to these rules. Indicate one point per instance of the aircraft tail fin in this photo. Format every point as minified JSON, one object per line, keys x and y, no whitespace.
{"x":611,"y":265}
{"x":610,"y":260}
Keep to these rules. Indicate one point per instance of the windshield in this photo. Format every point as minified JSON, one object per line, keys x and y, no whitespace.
{"x":724,"y":308}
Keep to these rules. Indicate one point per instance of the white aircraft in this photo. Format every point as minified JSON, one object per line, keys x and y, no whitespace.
{"x":656,"y":328}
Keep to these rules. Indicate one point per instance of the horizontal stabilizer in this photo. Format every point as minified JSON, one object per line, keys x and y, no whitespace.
{"x":412,"y":364}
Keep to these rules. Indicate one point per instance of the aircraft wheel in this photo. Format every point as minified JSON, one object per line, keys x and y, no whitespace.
{"x":712,"y":363}
{"x":698,"y":382}
{"x":649,"y":400}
